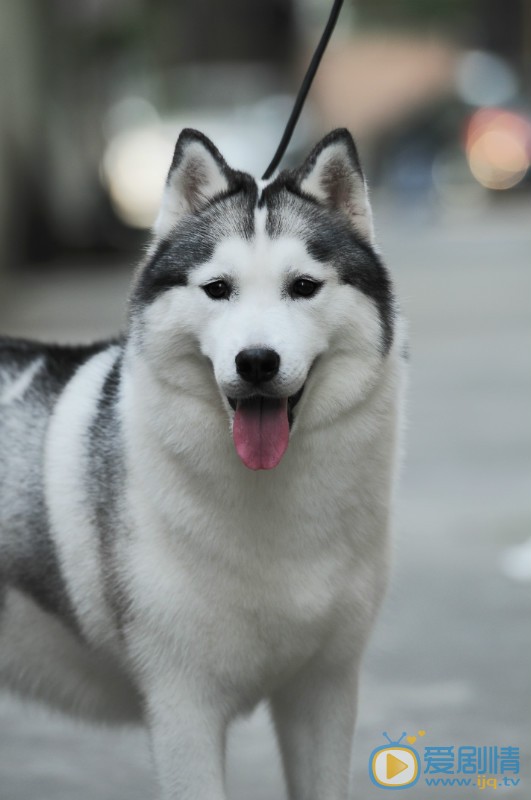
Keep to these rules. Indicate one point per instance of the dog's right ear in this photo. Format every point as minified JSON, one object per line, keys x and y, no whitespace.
{"x":198,"y":174}
{"x":332,"y":175}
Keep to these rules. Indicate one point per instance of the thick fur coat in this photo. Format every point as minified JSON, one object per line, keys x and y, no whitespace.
{"x":195,"y":517}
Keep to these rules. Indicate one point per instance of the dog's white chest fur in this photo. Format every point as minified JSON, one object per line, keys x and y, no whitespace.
{"x":249,"y":617}
{"x":256,"y":572}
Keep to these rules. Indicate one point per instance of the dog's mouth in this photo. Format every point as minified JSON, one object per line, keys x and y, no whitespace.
{"x":261,"y":428}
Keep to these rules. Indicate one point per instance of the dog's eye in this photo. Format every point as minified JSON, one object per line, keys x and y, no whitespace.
{"x":217,"y":290}
{"x":304,"y":287}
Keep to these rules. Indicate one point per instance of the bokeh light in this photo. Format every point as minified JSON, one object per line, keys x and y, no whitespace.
{"x":498,"y":148}
{"x":135,"y":165}
{"x":485,"y":79}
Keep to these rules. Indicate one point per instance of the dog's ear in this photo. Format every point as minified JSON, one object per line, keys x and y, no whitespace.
{"x":198,"y":174}
{"x":332,"y":175}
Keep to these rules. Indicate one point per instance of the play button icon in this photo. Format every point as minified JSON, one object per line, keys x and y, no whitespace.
{"x":394,"y":767}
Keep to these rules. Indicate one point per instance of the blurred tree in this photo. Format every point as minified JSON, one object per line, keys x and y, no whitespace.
{"x":408,"y":13}
{"x":232,"y":30}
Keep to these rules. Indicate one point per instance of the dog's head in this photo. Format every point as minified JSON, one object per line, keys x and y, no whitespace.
{"x":270,"y":299}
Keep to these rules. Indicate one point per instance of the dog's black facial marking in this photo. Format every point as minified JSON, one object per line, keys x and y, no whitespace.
{"x":357,"y":265}
{"x":193,"y":240}
{"x":330,"y":239}
{"x":169,"y":266}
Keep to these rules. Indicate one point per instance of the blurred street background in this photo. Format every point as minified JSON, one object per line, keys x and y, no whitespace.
{"x":438,"y":95}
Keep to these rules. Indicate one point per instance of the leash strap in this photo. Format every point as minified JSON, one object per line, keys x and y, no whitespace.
{"x":305,"y":88}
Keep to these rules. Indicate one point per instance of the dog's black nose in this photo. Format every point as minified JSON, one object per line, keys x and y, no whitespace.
{"x":257,"y":364}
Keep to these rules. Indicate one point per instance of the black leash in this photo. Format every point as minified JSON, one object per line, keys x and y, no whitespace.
{"x":305,"y":88}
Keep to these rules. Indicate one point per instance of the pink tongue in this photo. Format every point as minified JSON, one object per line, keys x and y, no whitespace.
{"x":261,"y":431}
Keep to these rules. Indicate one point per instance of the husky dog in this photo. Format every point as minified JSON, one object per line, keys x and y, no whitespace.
{"x":195,"y":517}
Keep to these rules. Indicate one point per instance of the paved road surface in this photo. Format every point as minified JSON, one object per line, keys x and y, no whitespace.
{"x":452,"y":649}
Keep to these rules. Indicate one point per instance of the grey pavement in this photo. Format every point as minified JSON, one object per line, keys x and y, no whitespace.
{"x":451,"y":653}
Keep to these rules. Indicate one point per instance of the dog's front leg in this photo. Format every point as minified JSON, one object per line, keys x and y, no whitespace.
{"x":188,"y":742}
{"x":314,"y":717}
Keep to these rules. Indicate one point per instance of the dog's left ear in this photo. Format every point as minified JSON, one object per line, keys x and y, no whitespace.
{"x":198,"y":174}
{"x":332,"y":174}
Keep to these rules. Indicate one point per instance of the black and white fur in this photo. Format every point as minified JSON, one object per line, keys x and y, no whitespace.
{"x":145,"y":572}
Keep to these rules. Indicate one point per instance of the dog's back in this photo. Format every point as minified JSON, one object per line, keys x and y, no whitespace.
{"x":40,"y":644}
{"x":32,"y":376}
